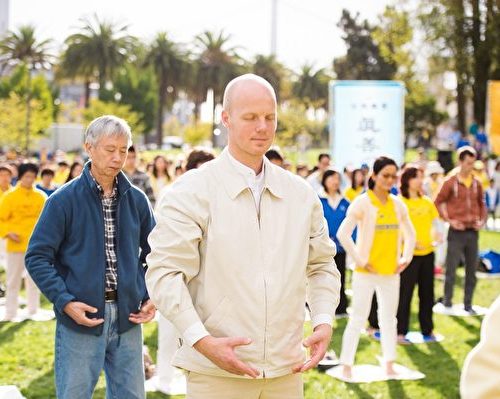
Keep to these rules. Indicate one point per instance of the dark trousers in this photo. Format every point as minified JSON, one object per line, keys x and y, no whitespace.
{"x":420,"y":271}
{"x":340,"y":261}
{"x":461,"y":244}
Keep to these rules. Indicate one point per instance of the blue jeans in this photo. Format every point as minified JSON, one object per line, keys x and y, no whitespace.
{"x":79,"y":359}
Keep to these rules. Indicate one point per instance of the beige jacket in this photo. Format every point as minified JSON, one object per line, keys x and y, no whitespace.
{"x":480,"y":374}
{"x":363,"y":214}
{"x":214,"y":260}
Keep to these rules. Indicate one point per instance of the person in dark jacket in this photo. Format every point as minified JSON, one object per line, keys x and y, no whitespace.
{"x":87,"y":255}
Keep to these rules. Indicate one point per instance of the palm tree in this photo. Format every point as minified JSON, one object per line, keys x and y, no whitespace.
{"x":217,"y":64}
{"x":170,"y":65}
{"x":273,"y":71}
{"x":311,"y":87}
{"x":98,"y":50}
{"x":22,"y":47}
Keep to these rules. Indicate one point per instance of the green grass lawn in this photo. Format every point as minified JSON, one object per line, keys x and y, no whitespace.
{"x":26,"y":353}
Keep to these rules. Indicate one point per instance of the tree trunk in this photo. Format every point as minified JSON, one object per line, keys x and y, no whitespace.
{"x":86,"y":100}
{"x":461,"y":99}
{"x":162,"y":99}
{"x":28,"y":115}
{"x":482,"y":59}
{"x":461,"y":66}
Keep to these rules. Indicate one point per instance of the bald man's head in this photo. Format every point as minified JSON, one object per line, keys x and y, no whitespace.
{"x":241,"y":85}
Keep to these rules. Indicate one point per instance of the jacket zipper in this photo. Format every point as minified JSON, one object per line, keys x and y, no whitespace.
{"x":99,"y":201}
{"x":258,"y":209}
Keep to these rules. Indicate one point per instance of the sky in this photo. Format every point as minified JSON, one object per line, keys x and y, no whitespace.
{"x":307,"y":31}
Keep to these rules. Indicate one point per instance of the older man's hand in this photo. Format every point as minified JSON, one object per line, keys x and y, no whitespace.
{"x":220,"y":351}
{"x":77,"y":311}
{"x":147,"y":313}
{"x":318,"y":344}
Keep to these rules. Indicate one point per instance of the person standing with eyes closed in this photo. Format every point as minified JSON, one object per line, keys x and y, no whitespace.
{"x":87,"y":255}
{"x":239,"y":247}
{"x":383,"y":224}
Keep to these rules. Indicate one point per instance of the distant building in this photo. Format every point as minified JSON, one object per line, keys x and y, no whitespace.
{"x":4,"y":17}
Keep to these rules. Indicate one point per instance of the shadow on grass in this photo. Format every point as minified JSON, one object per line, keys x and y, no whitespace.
{"x":396,"y":390}
{"x":359,"y":392}
{"x":8,"y":331}
{"x":42,"y":387}
{"x":471,"y":328}
{"x":442,"y":372}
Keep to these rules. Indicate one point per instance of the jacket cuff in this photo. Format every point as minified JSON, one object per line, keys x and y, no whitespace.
{"x":62,"y":301}
{"x":194,"y":333}
{"x":320,"y":309}
{"x":322,"y":318}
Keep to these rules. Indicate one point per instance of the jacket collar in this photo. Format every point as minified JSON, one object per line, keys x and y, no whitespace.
{"x":235,"y":183}
{"x":123,"y":182}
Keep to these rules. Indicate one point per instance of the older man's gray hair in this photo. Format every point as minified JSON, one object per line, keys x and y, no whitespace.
{"x":107,"y":125}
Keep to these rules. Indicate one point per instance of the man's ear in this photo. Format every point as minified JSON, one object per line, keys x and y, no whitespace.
{"x":87,"y":147}
{"x":225,"y":118}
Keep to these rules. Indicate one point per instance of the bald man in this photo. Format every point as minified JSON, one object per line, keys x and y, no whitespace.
{"x":240,"y":245}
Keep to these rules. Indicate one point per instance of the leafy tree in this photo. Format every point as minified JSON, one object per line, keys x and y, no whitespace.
{"x":293,"y":121}
{"x":273,"y":71}
{"x":311,"y":87}
{"x":136,"y":86}
{"x":97,"y":51}
{"x":23,"y":48}
{"x":196,"y":134}
{"x":169,"y":64}
{"x":393,"y":35}
{"x":217,"y":63}
{"x":363,"y":60}
{"x":98,"y":108}
{"x":13,"y":117}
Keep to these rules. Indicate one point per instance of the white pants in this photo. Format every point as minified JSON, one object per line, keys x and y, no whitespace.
{"x":168,"y":342}
{"x":441,"y":249}
{"x":387,"y":290}
{"x":3,"y":253}
{"x":15,"y":274}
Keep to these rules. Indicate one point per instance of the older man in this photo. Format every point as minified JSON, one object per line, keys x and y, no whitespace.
{"x":239,"y":247}
{"x":87,"y":255}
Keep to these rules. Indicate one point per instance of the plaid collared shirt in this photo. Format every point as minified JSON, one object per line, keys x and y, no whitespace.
{"x":109,"y":205}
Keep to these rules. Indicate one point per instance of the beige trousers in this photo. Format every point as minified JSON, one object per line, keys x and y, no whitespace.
{"x":200,"y":386}
{"x":15,"y":273}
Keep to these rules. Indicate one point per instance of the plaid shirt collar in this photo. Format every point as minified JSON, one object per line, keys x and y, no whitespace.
{"x":101,"y":190}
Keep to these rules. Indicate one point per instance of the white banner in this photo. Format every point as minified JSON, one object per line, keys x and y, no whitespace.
{"x":366,"y":121}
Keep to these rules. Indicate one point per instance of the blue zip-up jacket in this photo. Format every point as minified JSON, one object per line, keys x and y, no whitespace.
{"x":66,"y":253}
{"x":334,"y":218}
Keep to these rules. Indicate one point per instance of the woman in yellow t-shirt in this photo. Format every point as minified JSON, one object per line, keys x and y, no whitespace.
{"x":423,"y":215}
{"x":357,"y":185}
{"x":383,"y":224}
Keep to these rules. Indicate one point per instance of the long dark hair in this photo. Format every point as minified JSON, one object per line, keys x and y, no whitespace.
{"x":326,"y":175}
{"x":155,"y":170}
{"x":353,"y":181}
{"x":379,"y":164}
{"x":72,"y":169}
{"x":410,"y":172}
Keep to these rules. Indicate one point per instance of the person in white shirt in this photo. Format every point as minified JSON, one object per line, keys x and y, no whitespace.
{"x":316,"y":177}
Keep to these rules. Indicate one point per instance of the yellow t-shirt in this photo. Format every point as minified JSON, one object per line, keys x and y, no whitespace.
{"x":351,"y":194}
{"x":60,"y":177}
{"x":422,"y":212}
{"x":467,"y":182}
{"x":384,"y":251}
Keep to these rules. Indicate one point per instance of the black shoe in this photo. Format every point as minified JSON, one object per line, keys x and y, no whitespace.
{"x":470,"y":310}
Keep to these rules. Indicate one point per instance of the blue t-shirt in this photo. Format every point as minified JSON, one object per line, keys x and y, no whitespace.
{"x":45,"y":190}
{"x":334,"y":217}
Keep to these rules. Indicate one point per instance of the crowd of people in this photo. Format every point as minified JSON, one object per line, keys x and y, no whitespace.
{"x":395,"y":226}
